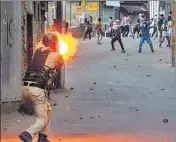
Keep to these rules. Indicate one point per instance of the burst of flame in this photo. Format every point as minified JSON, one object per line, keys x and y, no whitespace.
{"x":63,"y":47}
{"x":67,"y":45}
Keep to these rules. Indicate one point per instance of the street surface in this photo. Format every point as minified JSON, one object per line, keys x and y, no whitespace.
{"x":114,"y":97}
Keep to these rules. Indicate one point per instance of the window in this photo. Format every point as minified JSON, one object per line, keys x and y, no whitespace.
{"x":53,"y":10}
{"x":53,"y":16}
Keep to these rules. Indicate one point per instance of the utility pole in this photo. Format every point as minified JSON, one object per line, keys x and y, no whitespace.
{"x":174,"y":33}
{"x":60,"y":16}
{"x":59,"y":11}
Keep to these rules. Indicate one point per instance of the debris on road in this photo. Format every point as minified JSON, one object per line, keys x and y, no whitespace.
{"x":71,"y":88}
{"x":95,"y":83}
{"x":165,"y":121}
{"x":91,"y":117}
{"x":111,"y":89}
{"x":162,"y":89}
{"x":18,"y":121}
{"x":80,"y":118}
{"x":115,"y":66}
{"x":91,"y":89}
{"x":54,"y":104}
{"x":148,"y":75}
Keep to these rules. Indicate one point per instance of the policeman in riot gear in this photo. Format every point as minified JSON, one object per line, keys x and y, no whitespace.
{"x":38,"y":80}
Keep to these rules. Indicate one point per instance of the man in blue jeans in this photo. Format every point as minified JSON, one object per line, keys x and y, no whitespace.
{"x":145,"y":28}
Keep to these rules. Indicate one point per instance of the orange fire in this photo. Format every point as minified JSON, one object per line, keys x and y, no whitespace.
{"x":67,"y":45}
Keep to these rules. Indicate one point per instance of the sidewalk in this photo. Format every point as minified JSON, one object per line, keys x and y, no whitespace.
{"x":115,"y":97}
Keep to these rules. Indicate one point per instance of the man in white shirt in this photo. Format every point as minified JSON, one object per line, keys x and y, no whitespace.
{"x":125,"y":25}
{"x":110,"y":25}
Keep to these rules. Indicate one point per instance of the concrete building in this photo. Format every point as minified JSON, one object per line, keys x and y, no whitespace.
{"x":22,"y":26}
{"x":160,"y":7}
{"x":33,"y":28}
{"x":10,"y":54}
{"x":51,"y":12}
{"x":76,"y":12}
{"x":154,"y":8}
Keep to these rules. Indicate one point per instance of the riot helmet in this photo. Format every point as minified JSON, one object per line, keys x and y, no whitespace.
{"x":51,"y":40}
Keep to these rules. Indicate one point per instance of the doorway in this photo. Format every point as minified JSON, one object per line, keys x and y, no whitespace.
{"x":30,"y":37}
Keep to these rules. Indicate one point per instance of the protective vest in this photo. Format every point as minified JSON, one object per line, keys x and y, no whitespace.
{"x":37,"y":72}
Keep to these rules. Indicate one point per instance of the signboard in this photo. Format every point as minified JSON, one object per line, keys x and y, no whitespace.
{"x":93,"y":6}
{"x":83,"y":4}
{"x":78,"y":10}
{"x":113,"y":3}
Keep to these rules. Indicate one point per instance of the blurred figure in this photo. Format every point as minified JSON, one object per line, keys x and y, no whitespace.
{"x":124,"y":23}
{"x":65,"y":26}
{"x":142,"y":20}
{"x":88,"y":27}
{"x":165,"y":32}
{"x":160,"y":23}
{"x":155,"y":21}
{"x":170,"y":16}
{"x":145,"y":28}
{"x":99,"y":31}
{"x":136,"y":29}
{"x":110,"y":25}
{"x":56,"y":26}
{"x":117,"y":36}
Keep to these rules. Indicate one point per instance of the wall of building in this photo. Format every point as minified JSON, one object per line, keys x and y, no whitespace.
{"x":51,"y":12}
{"x":32,"y":8}
{"x":11,"y":53}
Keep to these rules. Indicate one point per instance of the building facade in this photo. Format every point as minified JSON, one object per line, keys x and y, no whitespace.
{"x":33,"y":28}
{"x":22,"y":27}
{"x":10,"y":54}
{"x":76,"y":12}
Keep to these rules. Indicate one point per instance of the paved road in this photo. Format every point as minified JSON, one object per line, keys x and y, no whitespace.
{"x":116,"y":97}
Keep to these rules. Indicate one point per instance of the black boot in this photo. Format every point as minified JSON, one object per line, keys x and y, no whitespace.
{"x":123,"y":51}
{"x":25,"y":137}
{"x":42,"y":138}
{"x":112,"y":44}
{"x":139,"y":51}
{"x":152,"y":50}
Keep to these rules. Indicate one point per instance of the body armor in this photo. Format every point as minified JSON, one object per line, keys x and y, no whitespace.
{"x":39,"y":73}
